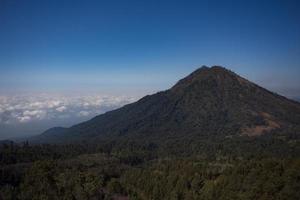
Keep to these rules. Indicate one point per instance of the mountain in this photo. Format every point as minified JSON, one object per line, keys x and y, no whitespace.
{"x":209,"y":102}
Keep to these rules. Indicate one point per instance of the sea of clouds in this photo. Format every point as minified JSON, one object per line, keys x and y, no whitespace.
{"x":29,"y":110}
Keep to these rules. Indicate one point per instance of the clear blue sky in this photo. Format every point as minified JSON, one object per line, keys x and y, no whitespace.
{"x":145,"y":45}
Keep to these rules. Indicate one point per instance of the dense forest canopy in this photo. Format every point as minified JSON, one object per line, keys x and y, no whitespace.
{"x":232,"y":168}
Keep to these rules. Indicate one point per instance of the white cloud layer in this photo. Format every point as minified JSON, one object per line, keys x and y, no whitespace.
{"x":16,"y":109}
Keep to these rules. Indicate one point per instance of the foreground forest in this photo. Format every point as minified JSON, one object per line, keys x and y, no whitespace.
{"x":228,"y":168}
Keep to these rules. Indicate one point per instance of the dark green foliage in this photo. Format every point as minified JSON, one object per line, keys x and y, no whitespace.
{"x":215,"y":173}
{"x":82,"y":177}
{"x":197,"y":179}
{"x":39,"y":182}
{"x":23,"y":153}
{"x":114,"y":186}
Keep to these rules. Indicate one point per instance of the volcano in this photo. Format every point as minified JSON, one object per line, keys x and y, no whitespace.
{"x":211,"y":101}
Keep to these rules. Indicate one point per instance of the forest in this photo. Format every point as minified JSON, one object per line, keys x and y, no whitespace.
{"x":221,"y":168}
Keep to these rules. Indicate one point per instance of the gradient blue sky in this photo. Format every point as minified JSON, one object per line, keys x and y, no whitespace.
{"x":143,"y":46}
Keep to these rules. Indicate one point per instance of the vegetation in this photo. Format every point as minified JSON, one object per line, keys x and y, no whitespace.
{"x":237,"y":168}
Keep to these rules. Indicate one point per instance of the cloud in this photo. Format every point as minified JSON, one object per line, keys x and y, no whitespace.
{"x":24,"y":119}
{"x":61,"y":108}
{"x":27,"y":108}
{"x":34,"y":113}
{"x":83,"y":113}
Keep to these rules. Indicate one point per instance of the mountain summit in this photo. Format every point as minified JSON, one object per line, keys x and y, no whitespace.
{"x":211,"y":101}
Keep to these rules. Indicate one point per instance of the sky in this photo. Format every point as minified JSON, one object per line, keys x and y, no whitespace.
{"x":132,"y":48}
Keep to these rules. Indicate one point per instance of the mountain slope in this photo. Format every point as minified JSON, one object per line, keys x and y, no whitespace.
{"x":210,"y":101}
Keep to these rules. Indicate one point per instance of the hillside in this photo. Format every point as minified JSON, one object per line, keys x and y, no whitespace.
{"x":209,"y":102}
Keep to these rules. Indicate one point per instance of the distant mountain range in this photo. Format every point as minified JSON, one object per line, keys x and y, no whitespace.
{"x":211,"y":101}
